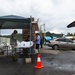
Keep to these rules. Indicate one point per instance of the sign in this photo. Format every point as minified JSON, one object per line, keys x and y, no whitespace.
{"x":24,"y":44}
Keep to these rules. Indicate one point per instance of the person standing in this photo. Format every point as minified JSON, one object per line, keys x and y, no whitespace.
{"x":13,"y":39}
{"x":38,"y":39}
{"x":41,"y":42}
{"x":26,"y":50}
{"x":13,"y":42}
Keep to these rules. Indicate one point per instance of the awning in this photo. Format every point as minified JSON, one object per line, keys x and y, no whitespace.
{"x":14,"y":22}
{"x":71,"y":24}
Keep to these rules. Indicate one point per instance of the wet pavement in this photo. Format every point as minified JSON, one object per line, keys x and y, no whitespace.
{"x":54,"y":62}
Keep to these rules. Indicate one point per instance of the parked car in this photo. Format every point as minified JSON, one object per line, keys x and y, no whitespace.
{"x":61,"y":43}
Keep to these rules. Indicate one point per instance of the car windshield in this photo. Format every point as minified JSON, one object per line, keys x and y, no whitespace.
{"x":68,"y":40}
{"x":60,"y":39}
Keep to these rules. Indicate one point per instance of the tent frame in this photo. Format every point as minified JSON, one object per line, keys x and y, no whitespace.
{"x":12,"y":18}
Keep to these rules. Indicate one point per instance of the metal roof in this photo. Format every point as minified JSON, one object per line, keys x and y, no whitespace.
{"x":71,"y":24}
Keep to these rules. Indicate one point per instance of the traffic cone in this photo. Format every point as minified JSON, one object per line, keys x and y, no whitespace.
{"x":39,"y":63}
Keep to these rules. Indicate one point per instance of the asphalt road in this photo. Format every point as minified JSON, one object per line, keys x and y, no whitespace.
{"x":55,"y":62}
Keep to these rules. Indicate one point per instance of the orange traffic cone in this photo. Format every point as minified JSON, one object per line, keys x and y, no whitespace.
{"x":38,"y":64}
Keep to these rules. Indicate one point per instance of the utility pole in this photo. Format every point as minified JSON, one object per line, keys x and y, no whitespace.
{"x":44,"y":33}
{"x":43,"y":30}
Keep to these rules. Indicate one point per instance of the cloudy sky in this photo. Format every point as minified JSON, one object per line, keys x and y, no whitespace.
{"x":55,"y":14}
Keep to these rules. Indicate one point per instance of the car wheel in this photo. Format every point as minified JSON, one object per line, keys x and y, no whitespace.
{"x":55,"y":47}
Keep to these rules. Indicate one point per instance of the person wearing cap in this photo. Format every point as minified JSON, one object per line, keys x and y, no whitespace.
{"x":38,"y":38}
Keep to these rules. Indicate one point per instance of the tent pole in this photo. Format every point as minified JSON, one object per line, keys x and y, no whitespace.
{"x":30,"y":33}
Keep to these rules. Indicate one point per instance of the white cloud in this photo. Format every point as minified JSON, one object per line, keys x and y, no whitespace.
{"x":56,"y":14}
{"x":58,"y":31}
{"x":9,"y":32}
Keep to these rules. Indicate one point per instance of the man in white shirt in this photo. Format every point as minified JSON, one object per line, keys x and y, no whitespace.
{"x":38,"y":39}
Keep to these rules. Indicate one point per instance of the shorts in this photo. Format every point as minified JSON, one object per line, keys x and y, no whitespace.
{"x":37,"y":46}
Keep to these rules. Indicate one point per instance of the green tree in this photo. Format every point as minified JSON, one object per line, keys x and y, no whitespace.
{"x":68,"y":34}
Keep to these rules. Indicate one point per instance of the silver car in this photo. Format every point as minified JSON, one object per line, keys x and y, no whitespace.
{"x":62,"y":43}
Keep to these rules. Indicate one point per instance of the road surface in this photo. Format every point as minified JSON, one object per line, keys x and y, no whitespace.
{"x":55,"y":62}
